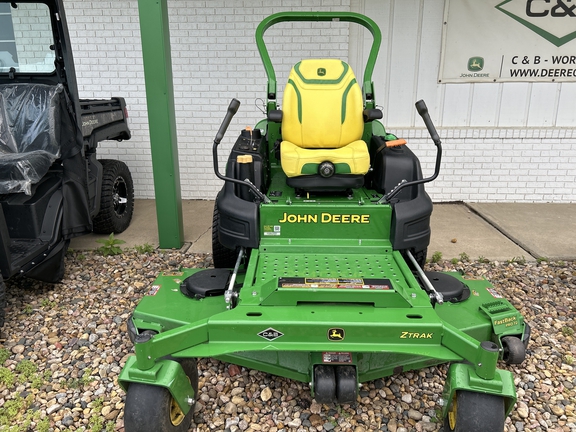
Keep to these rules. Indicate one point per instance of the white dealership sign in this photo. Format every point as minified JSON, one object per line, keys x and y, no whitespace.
{"x":511,"y":40}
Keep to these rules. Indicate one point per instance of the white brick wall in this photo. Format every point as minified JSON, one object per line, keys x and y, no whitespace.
{"x":480,"y":165}
{"x":214,"y":58}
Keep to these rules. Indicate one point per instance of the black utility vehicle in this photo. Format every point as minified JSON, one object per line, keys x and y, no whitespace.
{"x":52,"y":186}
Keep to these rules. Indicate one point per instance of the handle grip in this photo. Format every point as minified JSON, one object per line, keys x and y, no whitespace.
{"x":232,"y":109}
{"x":423,"y":111}
{"x":422,"y":108}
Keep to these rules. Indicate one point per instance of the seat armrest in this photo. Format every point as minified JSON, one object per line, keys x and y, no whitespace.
{"x":275,"y":116}
{"x":372,"y":114}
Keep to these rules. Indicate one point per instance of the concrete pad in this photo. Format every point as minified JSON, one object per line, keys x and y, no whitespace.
{"x":546,"y":230}
{"x":197,"y":221}
{"x":473,"y":235}
{"x":197,"y":216}
{"x":456,"y":230}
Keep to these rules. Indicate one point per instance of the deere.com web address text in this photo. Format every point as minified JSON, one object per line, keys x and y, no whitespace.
{"x":543,"y":73}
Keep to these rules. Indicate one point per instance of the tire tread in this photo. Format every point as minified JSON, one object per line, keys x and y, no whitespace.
{"x":106,"y":221}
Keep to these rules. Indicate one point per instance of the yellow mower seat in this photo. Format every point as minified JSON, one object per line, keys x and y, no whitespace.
{"x":322,"y":125}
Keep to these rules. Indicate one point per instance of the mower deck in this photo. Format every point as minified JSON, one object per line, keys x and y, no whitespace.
{"x":347,"y":299}
{"x":292,"y":313}
{"x":387,"y":313}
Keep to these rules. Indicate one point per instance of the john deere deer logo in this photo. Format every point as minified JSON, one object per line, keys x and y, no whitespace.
{"x":336,"y":334}
{"x":475,"y":64}
{"x":321,"y":72}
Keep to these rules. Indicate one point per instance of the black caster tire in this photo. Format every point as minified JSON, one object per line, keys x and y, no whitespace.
{"x":222,"y":257}
{"x":514,"y":351}
{"x":117,"y":198}
{"x":151,"y":408}
{"x":475,"y":412}
{"x":346,"y":384}
{"x":324,"y":384}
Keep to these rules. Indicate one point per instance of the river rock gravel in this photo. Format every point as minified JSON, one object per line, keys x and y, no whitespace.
{"x":63,"y":346}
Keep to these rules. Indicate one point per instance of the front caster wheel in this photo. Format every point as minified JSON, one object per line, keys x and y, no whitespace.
{"x":514,"y":350}
{"x":475,"y":412}
{"x":151,"y":408}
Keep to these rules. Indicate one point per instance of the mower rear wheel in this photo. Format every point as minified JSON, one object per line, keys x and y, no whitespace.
{"x":475,"y":412}
{"x":324,"y":384}
{"x":221,"y":255}
{"x":514,"y":350}
{"x":346,"y":384}
{"x":151,"y":408}
{"x":419,"y":256}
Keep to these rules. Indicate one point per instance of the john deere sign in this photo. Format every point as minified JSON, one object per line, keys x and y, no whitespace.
{"x":511,"y":40}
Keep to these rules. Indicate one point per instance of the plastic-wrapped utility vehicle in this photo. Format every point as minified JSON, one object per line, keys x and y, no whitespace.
{"x":52,"y":186}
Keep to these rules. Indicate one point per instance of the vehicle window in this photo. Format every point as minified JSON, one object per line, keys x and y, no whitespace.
{"x":26,"y":38}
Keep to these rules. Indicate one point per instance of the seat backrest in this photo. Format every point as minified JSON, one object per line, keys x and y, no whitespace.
{"x":29,"y":118}
{"x":322,"y":105}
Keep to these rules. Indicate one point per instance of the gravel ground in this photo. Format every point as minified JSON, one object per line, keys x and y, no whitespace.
{"x":64,"y":345}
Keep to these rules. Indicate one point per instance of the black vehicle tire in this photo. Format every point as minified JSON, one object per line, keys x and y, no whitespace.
{"x":420,"y":257}
{"x":2,"y":301}
{"x":151,"y":408}
{"x":475,"y":412}
{"x":221,"y":255}
{"x":117,"y":199}
{"x":514,"y":350}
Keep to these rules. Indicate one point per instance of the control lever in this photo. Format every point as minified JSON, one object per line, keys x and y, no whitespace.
{"x":232,"y":109}
{"x":423,"y":111}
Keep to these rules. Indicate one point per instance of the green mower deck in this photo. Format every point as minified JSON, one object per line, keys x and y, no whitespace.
{"x":293,"y":314}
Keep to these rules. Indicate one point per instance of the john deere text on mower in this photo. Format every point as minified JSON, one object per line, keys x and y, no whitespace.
{"x":319,"y":238}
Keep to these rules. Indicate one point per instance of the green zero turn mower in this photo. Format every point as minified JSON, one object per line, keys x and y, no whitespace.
{"x":320,"y":234}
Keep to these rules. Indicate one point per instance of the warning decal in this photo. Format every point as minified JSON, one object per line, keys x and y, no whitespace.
{"x":335,"y":283}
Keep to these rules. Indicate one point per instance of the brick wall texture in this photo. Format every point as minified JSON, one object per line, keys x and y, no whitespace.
{"x":214,"y":58}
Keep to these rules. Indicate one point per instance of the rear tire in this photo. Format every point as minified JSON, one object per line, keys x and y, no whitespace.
{"x":117,"y":199}
{"x":475,"y":412}
{"x":221,"y":255}
{"x":2,"y":301}
{"x":419,"y":256}
{"x":151,"y":408}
